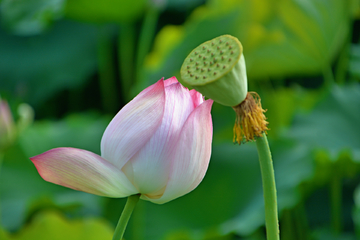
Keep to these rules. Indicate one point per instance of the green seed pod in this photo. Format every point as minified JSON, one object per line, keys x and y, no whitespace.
{"x":216,"y":69}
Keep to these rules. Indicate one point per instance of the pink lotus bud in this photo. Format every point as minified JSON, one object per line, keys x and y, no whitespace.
{"x":7,"y":128}
{"x":158,"y":145}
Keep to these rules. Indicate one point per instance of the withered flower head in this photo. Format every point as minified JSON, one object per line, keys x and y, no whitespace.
{"x":250,"y":120}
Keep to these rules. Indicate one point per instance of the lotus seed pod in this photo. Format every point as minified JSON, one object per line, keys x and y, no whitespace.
{"x":216,"y":68}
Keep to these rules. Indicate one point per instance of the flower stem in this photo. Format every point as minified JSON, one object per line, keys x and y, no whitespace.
{"x":328,"y":76}
{"x":336,"y":203}
{"x":301,"y":222}
{"x":106,"y":70}
{"x":269,"y":188}
{"x":126,"y":49}
{"x":146,"y":37}
{"x":125,"y":216}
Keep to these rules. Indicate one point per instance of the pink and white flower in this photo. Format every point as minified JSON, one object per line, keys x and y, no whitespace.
{"x":158,"y":145}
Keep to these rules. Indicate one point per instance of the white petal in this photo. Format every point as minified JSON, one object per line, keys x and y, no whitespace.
{"x":190,"y":158}
{"x":84,"y":171}
{"x":196,"y":97}
{"x":170,"y":81}
{"x":134,"y":125}
{"x":151,"y":166}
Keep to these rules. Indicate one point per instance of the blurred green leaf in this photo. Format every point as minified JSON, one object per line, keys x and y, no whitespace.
{"x":181,"y":4}
{"x":354,"y":64}
{"x":105,"y":11}
{"x":35,"y":68}
{"x":52,"y":225}
{"x":333,"y":125}
{"x":77,"y":130}
{"x":293,"y":166}
{"x":326,"y":234}
{"x":283,"y":103}
{"x":28,"y":17}
{"x":275,"y":44}
{"x":191,"y":235}
{"x":3,"y":234}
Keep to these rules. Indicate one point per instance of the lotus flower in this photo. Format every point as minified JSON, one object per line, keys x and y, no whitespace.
{"x":158,"y":145}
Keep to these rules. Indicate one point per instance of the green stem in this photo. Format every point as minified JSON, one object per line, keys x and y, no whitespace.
{"x":269,"y":188}
{"x":336,"y":203}
{"x":302,"y":226}
{"x":146,"y":37}
{"x":125,"y":216}
{"x":343,"y":63}
{"x":344,"y":58}
{"x":138,"y":219}
{"x":107,"y":71}
{"x":126,"y":49}
{"x":287,"y":225}
{"x":328,"y":76}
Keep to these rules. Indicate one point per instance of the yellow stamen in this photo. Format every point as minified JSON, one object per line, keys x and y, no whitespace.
{"x":250,"y":120}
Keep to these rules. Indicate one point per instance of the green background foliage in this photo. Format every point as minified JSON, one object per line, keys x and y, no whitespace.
{"x":78,"y":62}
